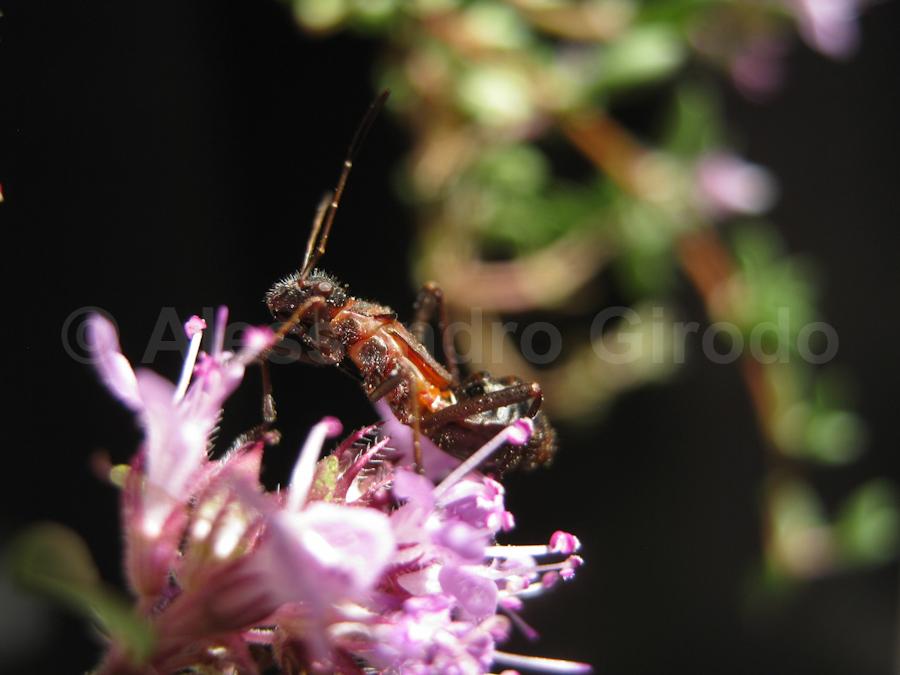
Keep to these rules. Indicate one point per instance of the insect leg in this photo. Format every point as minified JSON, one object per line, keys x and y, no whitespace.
{"x":268,"y":404}
{"x":285,"y":328}
{"x":538,"y":394}
{"x":430,"y":302}
{"x":269,"y":413}
{"x":385,"y":387}
{"x":263,"y":432}
{"x":416,"y":425}
{"x":487,"y":401}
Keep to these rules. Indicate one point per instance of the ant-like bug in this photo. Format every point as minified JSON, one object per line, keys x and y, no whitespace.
{"x":458,"y":415}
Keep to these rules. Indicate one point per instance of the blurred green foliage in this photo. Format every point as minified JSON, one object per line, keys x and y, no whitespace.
{"x":53,"y":560}
{"x":495,"y":91}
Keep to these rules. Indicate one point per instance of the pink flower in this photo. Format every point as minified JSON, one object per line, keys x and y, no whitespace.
{"x":320,"y":555}
{"x":177,"y":422}
{"x":451,"y":579}
{"x":424,"y":638}
{"x":758,"y":67}
{"x":436,"y":462}
{"x":360,"y":564}
{"x":829,"y":26}
{"x":728,"y":185}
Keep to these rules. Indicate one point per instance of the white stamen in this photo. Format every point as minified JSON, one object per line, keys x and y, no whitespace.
{"x":533,"y":551}
{"x":538,"y":663}
{"x":532,"y":590}
{"x":188,"y":368}
{"x":524,"y":570}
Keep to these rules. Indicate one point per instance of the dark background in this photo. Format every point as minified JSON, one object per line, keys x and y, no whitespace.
{"x":170,"y":154}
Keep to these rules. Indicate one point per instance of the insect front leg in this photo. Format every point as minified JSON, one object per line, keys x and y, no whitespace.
{"x":268,"y":403}
{"x":264,"y":432}
{"x":430,"y":304}
{"x":315,"y":349}
{"x":315,"y":358}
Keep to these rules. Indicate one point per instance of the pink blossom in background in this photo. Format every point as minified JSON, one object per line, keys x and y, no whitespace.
{"x":828,"y":26}
{"x":729,"y":185}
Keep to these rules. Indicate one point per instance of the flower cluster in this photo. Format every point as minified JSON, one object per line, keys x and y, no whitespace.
{"x":359,"y":565}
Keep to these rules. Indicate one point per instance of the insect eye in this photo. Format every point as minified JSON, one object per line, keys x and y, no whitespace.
{"x":325,"y":287}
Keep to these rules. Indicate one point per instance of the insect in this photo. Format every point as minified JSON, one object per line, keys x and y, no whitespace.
{"x":458,"y":414}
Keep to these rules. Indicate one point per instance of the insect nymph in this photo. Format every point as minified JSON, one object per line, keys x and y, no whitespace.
{"x":457,"y":414}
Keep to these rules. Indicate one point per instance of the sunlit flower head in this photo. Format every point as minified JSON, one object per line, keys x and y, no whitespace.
{"x":359,"y":564}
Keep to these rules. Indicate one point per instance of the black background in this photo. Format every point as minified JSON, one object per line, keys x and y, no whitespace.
{"x":170,"y":154}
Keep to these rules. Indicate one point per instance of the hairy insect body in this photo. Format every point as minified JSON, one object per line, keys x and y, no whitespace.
{"x":392,"y":362}
{"x":458,"y":416}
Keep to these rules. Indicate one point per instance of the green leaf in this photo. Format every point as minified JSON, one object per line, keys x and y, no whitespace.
{"x":51,"y":559}
{"x":644,"y":55}
{"x":325,"y":479}
{"x":495,"y":95}
{"x":868,"y":526}
{"x":518,"y":168}
{"x":777,"y":285}
{"x":496,"y":26}
{"x":835,"y":436}
{"x":673,"y":12}
{"x":320,"y":15}
{"x":373,"y":18}
{"x":694,"y":122}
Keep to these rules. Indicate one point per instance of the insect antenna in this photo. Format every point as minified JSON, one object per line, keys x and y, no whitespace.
{"x":321,"y":210}
{"x":327,"y":210}
{"x":325,"y":213}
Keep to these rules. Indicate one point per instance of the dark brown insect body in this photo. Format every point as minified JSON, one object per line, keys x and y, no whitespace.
{"x":458,"y":415}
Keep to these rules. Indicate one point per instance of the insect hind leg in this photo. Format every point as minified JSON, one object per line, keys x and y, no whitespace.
{"x":430,"y":303}
{"x":490,"y":400}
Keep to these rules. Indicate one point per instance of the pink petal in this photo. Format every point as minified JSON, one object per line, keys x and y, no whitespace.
{"x":255,"y":340}
{"x":327,"y":552}
{"x":729,"y":184}
{"x":112,"y":366}
{"x":413,"y":488}
{"x":464,"y":540}
{"x":830,"y":26}
{"x":436,"y":462}
{"x":214,"y":382}
{"x":476,"y":594}
{"x":408,"y":523}
{"x":422,"y":582}
{"x":177,"y":441}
